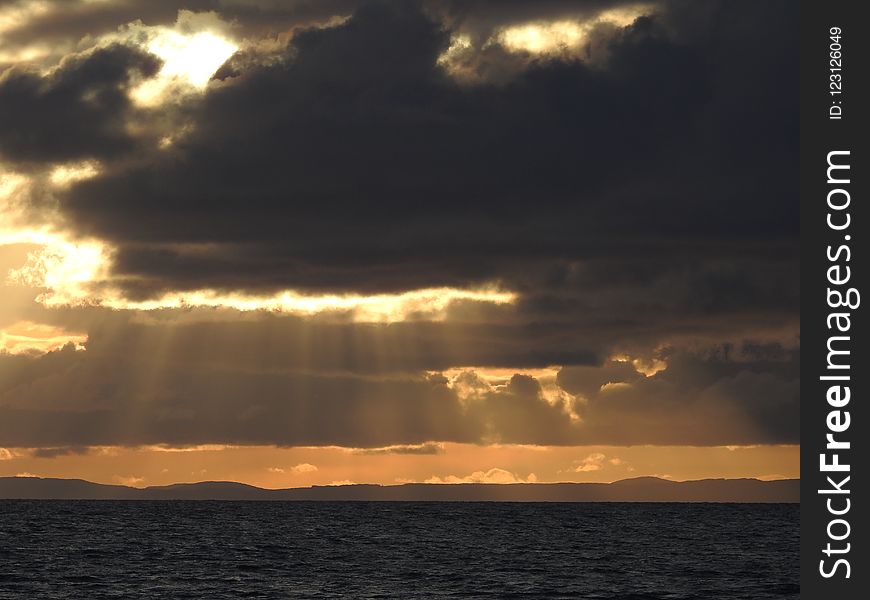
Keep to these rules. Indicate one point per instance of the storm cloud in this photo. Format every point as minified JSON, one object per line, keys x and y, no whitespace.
{"x":76,"y":112}
{"x":129,"y":394}
{"x":635,"y":193}
{"x":359,"y":163}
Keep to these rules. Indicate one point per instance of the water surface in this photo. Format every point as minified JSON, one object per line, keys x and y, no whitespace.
{"x":177,"y":549}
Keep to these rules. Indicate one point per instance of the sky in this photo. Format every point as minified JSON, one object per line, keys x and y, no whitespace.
{"x":297,"y":243}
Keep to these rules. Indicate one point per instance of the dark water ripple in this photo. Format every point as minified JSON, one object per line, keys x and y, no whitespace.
{"x":214,"y":550}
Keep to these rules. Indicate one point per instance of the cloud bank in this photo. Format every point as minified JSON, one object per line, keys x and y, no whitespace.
{"x":621,"y":173}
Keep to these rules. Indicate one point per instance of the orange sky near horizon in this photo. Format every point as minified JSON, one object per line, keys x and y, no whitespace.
{"x":271,"y":467}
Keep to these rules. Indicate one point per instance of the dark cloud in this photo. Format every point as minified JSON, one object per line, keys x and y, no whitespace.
{"x":695,"y":399}
{"x":427,"y":448}
{"x":76,"y":112}
{"x":189,"y":402}
{"x":359,"y":164}
{"x":144,"y":387}
{"x":59,"y":451}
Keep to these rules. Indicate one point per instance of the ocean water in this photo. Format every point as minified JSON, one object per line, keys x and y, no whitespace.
{"x":215,"y":550}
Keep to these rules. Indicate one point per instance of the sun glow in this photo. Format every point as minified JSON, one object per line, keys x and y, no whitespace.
{"x":542,"y":37}
{"x":193,"y":58}
{"x":189,"y":61}
{"x":64,"y":268}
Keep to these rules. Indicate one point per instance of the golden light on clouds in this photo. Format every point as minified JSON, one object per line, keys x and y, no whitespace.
{"x":52,"y":260}
{"x":570,"y":36}
{"x":430,"y":303}
{"x":18,"y":221}
{"x":548,"y":37}
{"x":14,"y":193}
{"x":646,"y":367}
{"x":500,"y":376}
{"x":475,"y":383}
{"x":459,"y":45}
{"x":494,"y":475}
{"x":77,"y":272}
{"x":593,"y":462}
{"x":65,"y":269}
{"x":67,"y":274}
{"x":65,"y":175}
{"x":303,"y":468}
{"x":26,"y":337}
{"x":16,"y":14}
{"x":25,"y":55}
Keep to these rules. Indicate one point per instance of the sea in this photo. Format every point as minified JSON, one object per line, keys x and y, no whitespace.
{"x":214,"y":550}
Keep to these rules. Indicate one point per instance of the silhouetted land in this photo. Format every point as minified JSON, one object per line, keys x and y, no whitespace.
{"x":641,"y":489}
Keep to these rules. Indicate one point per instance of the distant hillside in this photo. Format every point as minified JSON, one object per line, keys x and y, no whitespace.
{"x":641,"y":489}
